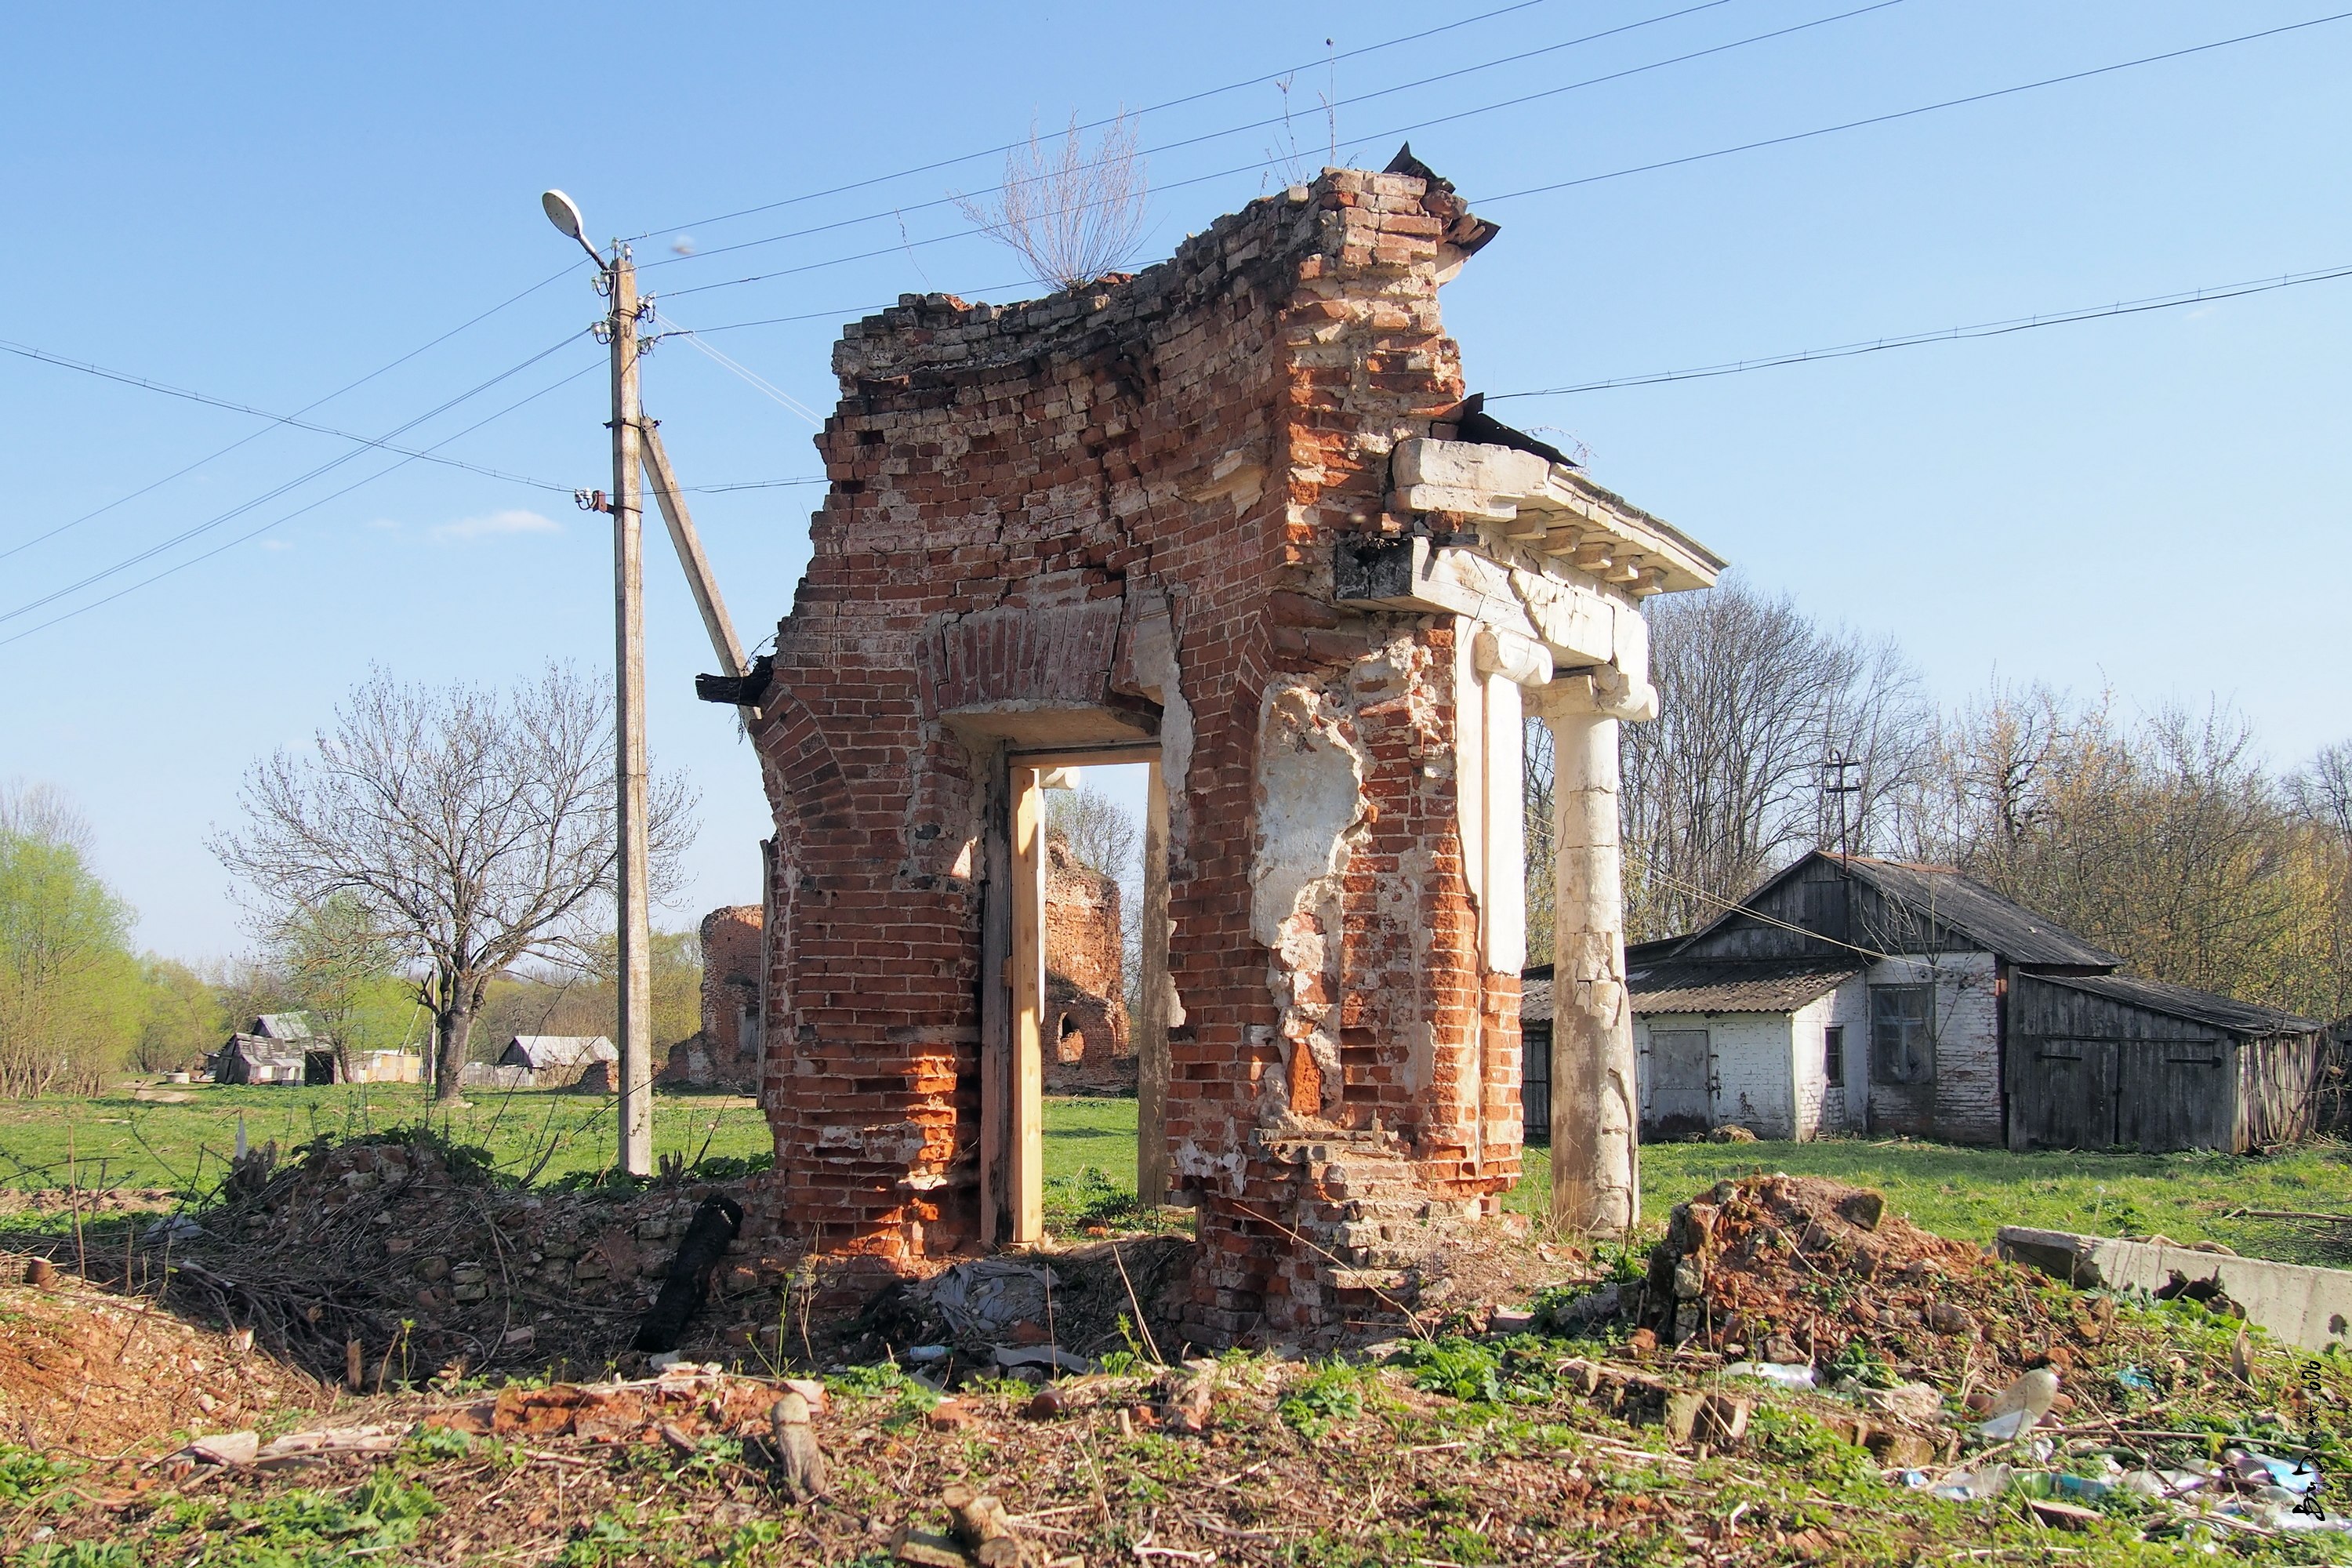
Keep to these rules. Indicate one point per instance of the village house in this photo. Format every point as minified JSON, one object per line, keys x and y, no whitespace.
{"x":548,"y":1061}
{"x":1849,"y":995}
{"x":280,"y":1049}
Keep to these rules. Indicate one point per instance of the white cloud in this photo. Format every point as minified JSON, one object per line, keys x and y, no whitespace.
{"x":383,"y":522}
{"x":276,"y":545}
{"x":490,"y":525}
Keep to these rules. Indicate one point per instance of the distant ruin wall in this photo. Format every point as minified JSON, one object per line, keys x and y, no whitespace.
{"x":1086,"y":1044}
{"x":725,"y":1052}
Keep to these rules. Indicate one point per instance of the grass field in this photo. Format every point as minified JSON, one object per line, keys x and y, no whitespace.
{"x":119,"y":1141}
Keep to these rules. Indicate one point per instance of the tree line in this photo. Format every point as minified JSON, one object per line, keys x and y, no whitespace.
{"x":434,"y":872}
{"x":2163,"y":835}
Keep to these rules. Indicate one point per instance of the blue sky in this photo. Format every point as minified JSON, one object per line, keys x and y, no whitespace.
{"x":267,"y":203}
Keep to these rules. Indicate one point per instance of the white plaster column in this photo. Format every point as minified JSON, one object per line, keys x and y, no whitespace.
{"x":1595,"y":1092}
{"x":1505,"y":663}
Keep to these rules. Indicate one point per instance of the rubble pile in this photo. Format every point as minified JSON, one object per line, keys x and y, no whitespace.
{"x":1965,"y":1375}
{"x":1036,"y":1314}
{"x":410,"y":1247}
{"x":1801,"y":1271}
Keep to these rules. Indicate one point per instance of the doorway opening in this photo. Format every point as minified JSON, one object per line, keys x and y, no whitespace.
{"x":1082,"y":1005}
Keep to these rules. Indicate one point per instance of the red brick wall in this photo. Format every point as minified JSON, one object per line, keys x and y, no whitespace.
{"x":1013,"y":489}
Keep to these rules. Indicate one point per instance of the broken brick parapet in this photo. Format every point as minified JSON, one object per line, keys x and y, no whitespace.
{"x":1024,"y":497}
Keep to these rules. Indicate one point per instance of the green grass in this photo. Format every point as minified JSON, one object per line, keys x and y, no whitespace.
{"x":117,"y":1140}
{"x":1969,"y":1192}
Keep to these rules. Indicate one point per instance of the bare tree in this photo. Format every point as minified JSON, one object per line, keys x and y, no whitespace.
{"x":1070,"y":212}
{"x":335,"y":960}
{"x":475,"y":829}
{"x":42,"y":811}
{"x":1727,"y":784}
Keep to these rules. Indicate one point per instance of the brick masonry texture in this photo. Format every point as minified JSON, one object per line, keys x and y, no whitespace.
{"x":1021,"y":497}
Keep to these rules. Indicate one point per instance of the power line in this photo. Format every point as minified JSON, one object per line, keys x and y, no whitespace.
{"x":316,"y":402}
{"x":1923,"y":109}
{"x":309,"y":506}
{"x":1951,"y":334}
{"x":757,"y":484}
{"x":27,"y":350}
{"x":1635,"y":169}
{"x":1377,"y":135}
{"x":1097,"y":124}
{"x":275,"y":492}
{"x":1181,"y":143}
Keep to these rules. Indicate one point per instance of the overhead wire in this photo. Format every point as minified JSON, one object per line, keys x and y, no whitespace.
{"x":1268,"y":121}
{"x":1922,"y":109}
{"x":306,"y":507}
{"x":1177,"y":103}
{"x":26,"y":351}
{"x":1951,"y":334}
{"x":743,"y":372}
{"x":275,"y":492}
{"x":1257,"y":165}
{"x":1633,"y":169}
{"x":472,"y":321}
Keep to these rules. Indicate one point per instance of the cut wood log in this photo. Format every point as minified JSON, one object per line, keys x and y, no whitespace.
{"x":924,"y":1549}
{"x":800,"y":1462}
{"x":980,"y":1525}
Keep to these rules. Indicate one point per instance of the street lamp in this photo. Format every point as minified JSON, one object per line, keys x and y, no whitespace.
{"x":618,"y":278}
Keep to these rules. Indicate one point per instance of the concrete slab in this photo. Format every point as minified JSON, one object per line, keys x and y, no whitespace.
{"x":2300,"y":1305}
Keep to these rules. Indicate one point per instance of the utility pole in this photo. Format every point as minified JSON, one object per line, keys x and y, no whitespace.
{"x":636,"y":975}
{"x":618,"y":283}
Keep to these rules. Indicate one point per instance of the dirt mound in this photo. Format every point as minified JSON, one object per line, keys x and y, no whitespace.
{"x":406,"y":1245}
{"x":1804,"y":1270}
{"x":90,"y":1374}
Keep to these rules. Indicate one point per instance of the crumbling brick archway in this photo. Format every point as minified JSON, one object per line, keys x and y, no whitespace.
{"x":1235,"y":514}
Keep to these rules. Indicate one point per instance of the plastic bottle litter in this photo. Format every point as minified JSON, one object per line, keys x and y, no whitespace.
{"x":1971,"y":1484}
{"x":2139,"y":1382}
{"x":926,"y":1353}
{"x":2293,"y":1476}
{"x":1772,"y":1372}
{"x":2018,"y":1408}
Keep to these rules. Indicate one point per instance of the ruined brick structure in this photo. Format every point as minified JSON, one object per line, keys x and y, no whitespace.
{"x":1235,"y":511}
{"x":1085,"y":1035}
{"x":725,"y":1052}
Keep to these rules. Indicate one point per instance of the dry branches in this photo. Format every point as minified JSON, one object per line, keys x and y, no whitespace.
{"x":1070,"y":214}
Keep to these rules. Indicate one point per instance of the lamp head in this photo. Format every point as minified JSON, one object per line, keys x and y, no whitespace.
{"x":564,"y":213}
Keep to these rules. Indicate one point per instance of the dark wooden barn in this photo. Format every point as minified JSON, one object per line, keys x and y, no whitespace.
{"x":1848,"y":995}
{"x":2102,"y":1061}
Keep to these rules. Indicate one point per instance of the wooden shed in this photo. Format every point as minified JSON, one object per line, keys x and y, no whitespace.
{"x":278,"y":1048}
{"x":2099,"y":1061}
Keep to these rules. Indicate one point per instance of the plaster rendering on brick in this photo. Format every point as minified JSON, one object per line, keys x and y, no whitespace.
{"x":1234,"y":518}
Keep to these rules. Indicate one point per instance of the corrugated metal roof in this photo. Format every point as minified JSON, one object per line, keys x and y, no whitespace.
{"x":2184,"y":1002}
{"x":1535,"y":995}
{"x":540,"y":1052}
{"x":1746,"y":985}
{"x":1661,"y":985}
{"x":1998,"y":925}
{"x":283,"y":1027}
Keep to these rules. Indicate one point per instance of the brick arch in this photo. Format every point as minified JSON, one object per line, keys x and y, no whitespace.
{"x":801,"y":762}
{"x":1057,"y":655}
